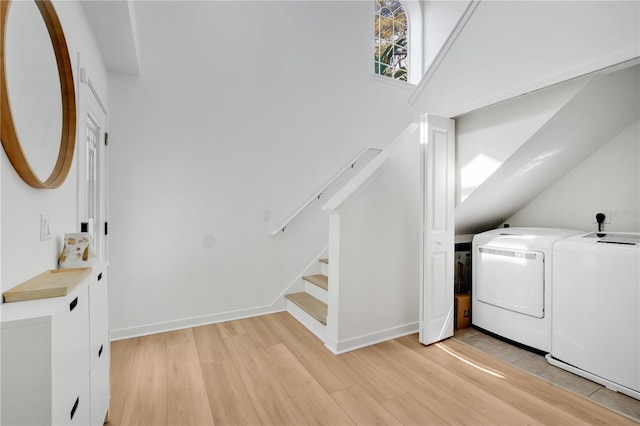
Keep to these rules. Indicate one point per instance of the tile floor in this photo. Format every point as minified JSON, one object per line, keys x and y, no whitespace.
{"x":538,"y":365}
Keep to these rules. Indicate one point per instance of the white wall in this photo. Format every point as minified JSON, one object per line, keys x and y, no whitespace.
{"x":374,"y":250}
{"x":440,"y":17}
{"x":508,"y":48}
{"x":607,"y":104}
{"x":243,"y":111}
{"x":23,"y":254}
{"x":485,"y":139}
{"x":607,"y":181}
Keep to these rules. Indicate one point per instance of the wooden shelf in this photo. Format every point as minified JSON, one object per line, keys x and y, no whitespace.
{"x":52,"y":283}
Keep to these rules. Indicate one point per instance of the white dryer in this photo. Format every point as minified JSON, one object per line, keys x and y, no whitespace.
{"x":511,"y":283}
{"x":596,"y":309}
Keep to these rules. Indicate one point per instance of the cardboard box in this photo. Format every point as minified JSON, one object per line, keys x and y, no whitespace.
{"x":462,"y":307}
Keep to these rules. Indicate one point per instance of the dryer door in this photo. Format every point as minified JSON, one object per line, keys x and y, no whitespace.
{"x":511,"y":279}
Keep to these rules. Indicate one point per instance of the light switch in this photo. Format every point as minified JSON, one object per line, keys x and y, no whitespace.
{"x":45,"y":226}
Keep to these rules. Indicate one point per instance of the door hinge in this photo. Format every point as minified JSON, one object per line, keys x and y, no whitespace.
{"x":106,"y":228}
{"x":106,"y":139}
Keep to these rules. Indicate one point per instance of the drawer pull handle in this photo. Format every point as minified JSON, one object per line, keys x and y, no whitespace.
{"x":99,"y":276}
{"x":75,"y":407}
{"x":100,"y":351}
{"x":73,"y":304}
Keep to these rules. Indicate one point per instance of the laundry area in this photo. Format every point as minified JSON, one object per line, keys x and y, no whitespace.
{"x":549,"y":297}
{"x":555,"y":256}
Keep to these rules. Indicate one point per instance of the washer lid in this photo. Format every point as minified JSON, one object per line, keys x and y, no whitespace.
{"x":615,"y":238}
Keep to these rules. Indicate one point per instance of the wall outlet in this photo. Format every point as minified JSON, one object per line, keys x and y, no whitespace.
{"x":607,"y":216}
{"x":45,"y":226}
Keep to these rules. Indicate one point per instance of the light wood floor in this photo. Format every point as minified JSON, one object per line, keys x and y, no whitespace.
{"x":271,"y":370}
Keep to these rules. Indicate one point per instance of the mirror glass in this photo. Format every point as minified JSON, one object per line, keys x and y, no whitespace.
{"x":33,"y":86}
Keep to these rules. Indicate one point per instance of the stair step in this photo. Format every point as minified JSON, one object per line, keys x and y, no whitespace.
{"x":310,"y":305}
{"x":324,"y":261}
{"x":320,"y":280}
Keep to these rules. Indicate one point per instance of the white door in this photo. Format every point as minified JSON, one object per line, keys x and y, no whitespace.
{"x":437,"y":262}
{"x":92,"y":155}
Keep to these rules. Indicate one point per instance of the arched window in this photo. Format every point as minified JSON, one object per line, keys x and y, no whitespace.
{"x":391,"y":40}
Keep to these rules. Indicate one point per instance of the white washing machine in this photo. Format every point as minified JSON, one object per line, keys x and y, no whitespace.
{"x":596,"y":309}
{"x":511,"y":283}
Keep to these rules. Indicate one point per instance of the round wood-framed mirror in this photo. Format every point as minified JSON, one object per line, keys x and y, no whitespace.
{"x":9,"y":133}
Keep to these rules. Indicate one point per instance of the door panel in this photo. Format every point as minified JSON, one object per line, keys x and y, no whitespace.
{"x":92,"y":168}
{"x":437,"y":272}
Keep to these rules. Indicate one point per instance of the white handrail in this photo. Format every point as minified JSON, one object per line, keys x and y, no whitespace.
{"x":318,"y":194}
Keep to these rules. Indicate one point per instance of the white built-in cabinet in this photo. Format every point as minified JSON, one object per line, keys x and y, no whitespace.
{"x":55,"y":356}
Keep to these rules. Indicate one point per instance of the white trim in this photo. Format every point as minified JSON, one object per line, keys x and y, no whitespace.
{"x":297,"y":285}
{"x":134,"y":34}
{"x":351,"y":344}
{"x":444,"y":51}
{"x":310,"y":323}
{"x":161,"y":327}
{"x":608,"y":384}
{"x":351,"y":164}
{"x":317,"y":292}
{"x":368,"y":171}
{"x":614,"y":61}
{"x":84,"y":78}
{"x":416,"y":40}
{"x":278,"y":305}
{"x":393,"y":82}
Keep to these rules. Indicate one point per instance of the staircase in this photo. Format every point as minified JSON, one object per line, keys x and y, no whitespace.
{"x":310,"y":306}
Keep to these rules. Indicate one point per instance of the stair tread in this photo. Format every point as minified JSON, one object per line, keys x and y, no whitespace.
{"x":311,"y":305}
{"x":320,"y":280}
{"x":324,"y":261}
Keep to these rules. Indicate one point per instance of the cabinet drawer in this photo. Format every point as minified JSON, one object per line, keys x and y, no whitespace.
{"x":99,"y":315}
{"x":70,"y":346}
{"x":74,"y":409}
{"x":100,"y":392}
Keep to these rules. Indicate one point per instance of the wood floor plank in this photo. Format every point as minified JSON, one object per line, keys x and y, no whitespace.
{"x":231,"y":328}
{"x":310,"y":352}
{"x":122,"y":353}
{"x":381,"y":387}
{"x":419,"y":382}
{"x":187,"y":402}
{"x":260,"y":333}
{"x":228,"y":398}
{"x":483,"y":402}
{"x":146,"y":401}
{"x":496,"y":382}
{"x":291,"y":373}
{"x":576,"y":405}
{"x":271,"y":370}
{"x":241,"y":348}
{"x":270,"y":400}
{"x":314,"y":403}
{"x":410,"y":411}
{"x":362,"y":408}
{"x":210,"y":345}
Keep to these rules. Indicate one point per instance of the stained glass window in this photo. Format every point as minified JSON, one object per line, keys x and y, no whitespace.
{"x":391,"y":36}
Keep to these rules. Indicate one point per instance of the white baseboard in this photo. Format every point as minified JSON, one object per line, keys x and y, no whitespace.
{"x":347,"y":345}
{"x":278,"y":305}
{"x":145,"y":330}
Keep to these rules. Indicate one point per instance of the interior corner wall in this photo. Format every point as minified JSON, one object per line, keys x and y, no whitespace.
{"x":439,"y":19}
{"x":23,"y":255}
{"x":607,"y":181}
{"x":242,"y":112}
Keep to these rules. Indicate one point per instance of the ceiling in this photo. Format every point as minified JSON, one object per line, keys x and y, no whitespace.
{"x":115,"y":28}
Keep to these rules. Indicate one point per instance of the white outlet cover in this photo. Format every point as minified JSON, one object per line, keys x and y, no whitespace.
{"x":45,"y":226}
